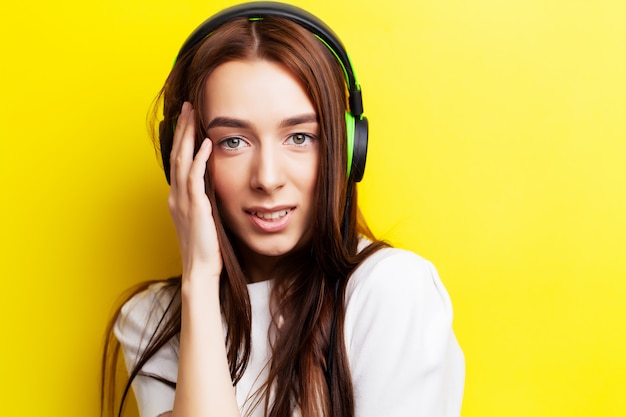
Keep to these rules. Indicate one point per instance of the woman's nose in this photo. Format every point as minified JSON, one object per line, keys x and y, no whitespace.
{"x":267,"y":172}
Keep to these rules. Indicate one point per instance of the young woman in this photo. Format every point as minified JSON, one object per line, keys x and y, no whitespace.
{"x":287,"y":305}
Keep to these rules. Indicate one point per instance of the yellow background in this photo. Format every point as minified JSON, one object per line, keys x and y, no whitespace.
{"x":497,"y":150}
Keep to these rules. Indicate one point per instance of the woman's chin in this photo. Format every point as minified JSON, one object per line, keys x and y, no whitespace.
{"x":272,"y":249}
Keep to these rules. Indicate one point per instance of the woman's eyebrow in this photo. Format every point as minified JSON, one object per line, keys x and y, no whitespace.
{"x":228,"y":122}
{"x":222,"y":121}
{"x":298,"y":120}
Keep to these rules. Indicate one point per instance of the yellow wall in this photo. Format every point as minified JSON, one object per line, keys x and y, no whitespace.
{"x":497,"y":151}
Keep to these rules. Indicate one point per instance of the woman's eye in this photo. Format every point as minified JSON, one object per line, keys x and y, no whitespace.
{"x":232,"y":143}
{"x":299,"y":138}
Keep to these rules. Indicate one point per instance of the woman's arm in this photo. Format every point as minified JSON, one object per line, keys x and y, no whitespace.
{"x":204,"y":387}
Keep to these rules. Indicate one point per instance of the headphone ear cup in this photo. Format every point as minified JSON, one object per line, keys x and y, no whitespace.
{"x":350,"y":122}
{"x":166,"y":139}
{"x":359,"y":148}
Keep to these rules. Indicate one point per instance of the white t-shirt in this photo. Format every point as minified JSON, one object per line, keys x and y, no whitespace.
{"x":404,"y":357}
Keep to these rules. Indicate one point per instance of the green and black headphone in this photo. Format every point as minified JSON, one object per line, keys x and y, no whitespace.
{"x":357,"y":127}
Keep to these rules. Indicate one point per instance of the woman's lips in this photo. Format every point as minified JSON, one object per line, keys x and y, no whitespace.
{"x":271,"y":220}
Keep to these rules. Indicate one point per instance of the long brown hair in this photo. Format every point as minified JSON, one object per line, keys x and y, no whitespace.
{"x":310,"y":284}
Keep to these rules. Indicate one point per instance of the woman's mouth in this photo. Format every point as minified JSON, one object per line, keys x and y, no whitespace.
{"x":271,"y":215}
{"x":272,"y":220}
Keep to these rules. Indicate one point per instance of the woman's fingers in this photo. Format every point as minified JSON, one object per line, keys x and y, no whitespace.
{"x":187,"y":198}
{"x":197,"y":186}
{"x":180,"y":123}
{"x":178,"y":164}
{"x":189,"y":205}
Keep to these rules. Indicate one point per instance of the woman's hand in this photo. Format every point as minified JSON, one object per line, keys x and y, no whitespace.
{"x":204,"y":386}
{"x":188,"y":203}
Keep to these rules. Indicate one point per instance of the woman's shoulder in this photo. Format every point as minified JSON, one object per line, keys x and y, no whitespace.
{"x":395,"y":266}
{"x":393,"y":278}
{"x":135,"y":328}
{"x":155,"y":295}
{"x":404,"y":357}
{"x":142,"y":312}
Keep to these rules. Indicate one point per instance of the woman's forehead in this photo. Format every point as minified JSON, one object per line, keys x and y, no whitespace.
{"x":255,"y":90}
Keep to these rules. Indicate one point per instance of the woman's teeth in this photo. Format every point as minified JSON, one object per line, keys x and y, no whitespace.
{"x":271,"y":215}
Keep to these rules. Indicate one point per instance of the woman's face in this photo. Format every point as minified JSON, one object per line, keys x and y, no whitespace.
{"x":264,"y":131}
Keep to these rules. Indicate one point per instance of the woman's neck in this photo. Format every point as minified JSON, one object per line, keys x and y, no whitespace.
{"x":260,"y":271}
{"x":259,"y":267}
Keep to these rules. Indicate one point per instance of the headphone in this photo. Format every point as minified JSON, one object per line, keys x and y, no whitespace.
{"x":356,"y":123}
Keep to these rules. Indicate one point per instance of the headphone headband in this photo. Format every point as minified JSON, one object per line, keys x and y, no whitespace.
{"x":261,"y":9}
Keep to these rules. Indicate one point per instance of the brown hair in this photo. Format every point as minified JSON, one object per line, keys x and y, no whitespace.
{"x":310,"y":283}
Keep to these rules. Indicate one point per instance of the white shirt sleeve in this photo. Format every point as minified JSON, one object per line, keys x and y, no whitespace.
{"x":404,"y":357}
{"x":134,"y":327}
